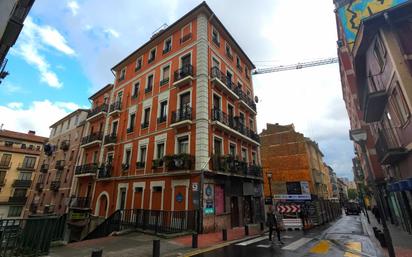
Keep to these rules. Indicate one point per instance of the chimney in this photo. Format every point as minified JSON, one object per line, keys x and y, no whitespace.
{"x":32,"y":132}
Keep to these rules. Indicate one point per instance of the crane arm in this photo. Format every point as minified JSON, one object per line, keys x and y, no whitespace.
{"x":297,"y":66}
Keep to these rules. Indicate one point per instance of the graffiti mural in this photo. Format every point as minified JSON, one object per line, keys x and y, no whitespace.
{"x":352,"y":14}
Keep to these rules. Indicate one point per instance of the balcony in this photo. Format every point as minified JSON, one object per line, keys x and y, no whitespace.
{"x":183,"y":75}
{"x":110,"y":139}
{"x":255,"y":170}
{"x":389,"y":152}
{"x":178,"y":162}
{"x":64,"y":145}
{"x":60,"y":165}
{"x":158,"y":163}
{"x":24,"y":183}
{"x":373,"y":104}
{"x":97,"y":112}
{"x":5,"y":165}
{"x":234,"y":125}
{"x":39,"y":186}
{"x":44,"y":168}
{"x":89,"y":169}
{"x":55,"y":185}
{"x":182,"y":117}
{"x":80,"y":203}
{"x":92,"y":139}
{"x":105,"y":171}
{"x":223,"y":82}
{"x":115,"y":108}
{"x":229,"y":164}
{"x":18,"y":200}
{"x":246,"y":101}
{"x":26,"y":166}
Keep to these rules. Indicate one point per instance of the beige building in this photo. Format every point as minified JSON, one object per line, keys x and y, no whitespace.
{"x":19,"y":158}
{"x":50,"y":193}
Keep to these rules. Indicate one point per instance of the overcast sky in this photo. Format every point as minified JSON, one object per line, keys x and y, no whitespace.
{"x":66,"y":50}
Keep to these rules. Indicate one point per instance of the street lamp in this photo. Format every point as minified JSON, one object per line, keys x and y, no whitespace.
{"x":269,"y":175}
{"x":359,"y":136}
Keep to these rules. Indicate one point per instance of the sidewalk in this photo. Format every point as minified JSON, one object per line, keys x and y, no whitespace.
{"x":402,"y":241}
{"x":139,"y":244}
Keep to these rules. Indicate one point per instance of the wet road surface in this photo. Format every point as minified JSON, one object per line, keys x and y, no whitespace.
{"x":344,"y":238}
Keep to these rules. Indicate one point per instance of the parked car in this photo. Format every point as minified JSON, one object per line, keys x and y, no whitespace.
{"x":352,"y":208}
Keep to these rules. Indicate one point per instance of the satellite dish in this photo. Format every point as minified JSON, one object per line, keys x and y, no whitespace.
{"x":256,"y":99}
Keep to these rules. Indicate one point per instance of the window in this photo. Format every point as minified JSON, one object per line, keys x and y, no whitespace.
{"x":254,"y":158}
{"x":152,"y":55}
{"x":71,"y":155}
{"x":215,"y":63}
{"x":15,"y":211}
{"x":132,"y":118}
{"x":122,"y":74}
{"x":238,"y":64}
{"x":251,"y":124}
{"x":165,"y":75}
{"x":5,"y":160}
{"x":149,"y":85}
{"x":183,"y":144}
{"x":232,"y":149}
{"x":399,"y":104}
{"x":119,"y":96}
{"x":379,"y":52}
{"x":146,"y":118}
{"x":8,"y":143}
{"x":229,"y":77}
{"x":215,"y":37}
{"x":77,"y":119}
{"x":29,"y":162}
{"x":186,"y":61}
{"x":127,"y":156}
{"x":163,"y":111}
{"x":20,"y":192}
{"x":138,"y":64}
{"x":184,"y":101}
{"x":136,"y":87}
{"x":167,"y":45}
{"x":95,"y":156}
{"x":2,"y":177}
{"x":247,"y":72}
{"x":24,"y":176}
{"x":216,"y":102}
{"x":217,"y":145}
{"x":58,"y":175}
{"x":142,"y":157}
{"x":160,"y":150}
{"x":244,"y":154}
{"x":228,"y":52}
{"x":114,"y":127}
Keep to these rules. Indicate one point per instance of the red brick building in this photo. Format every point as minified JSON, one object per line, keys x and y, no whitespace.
{"x":180,"y":133}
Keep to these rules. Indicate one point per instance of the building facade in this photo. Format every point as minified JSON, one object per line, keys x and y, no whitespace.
{"x":295,"y":163}
{"x":12,"y":15}
{"x":19,"y":158}
{"x":376,"y":79}
{"x":181,"y":129}
{"x":50,"y":192}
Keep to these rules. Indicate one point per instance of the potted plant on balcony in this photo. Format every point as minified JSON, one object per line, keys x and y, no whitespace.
{"x":158,"y":163}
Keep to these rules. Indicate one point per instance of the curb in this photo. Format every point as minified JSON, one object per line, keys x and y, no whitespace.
{"x":375,"y":242}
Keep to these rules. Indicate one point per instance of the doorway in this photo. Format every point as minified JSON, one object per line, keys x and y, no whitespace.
{"x":234,"y":211}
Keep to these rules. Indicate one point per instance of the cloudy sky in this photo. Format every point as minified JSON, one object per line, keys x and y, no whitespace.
{"x":66,"y":50}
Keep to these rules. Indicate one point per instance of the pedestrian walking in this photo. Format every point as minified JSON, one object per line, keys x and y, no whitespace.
{"x":377,"y":214}
{"x":272,"y":224}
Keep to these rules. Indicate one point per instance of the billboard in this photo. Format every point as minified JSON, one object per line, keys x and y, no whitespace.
{"x":352,"y":14}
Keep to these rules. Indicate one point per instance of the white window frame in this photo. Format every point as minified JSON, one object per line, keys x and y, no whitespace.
{"x":247,"y":154}
{"x":125,"y":148}
{"x":141,"y":63}
{"x":183,"y":55}
{"x":177,"y":142}
{"x":147,"y":80}
{"x":220,"y":100}
{"x":162,"y":73}
{"x":230,"y":48}
{"x":162,"y":138}
{"x":217,"y":32}
{"x":171,"y":43}
{"x":235,"y":144}
{"x":222,"y":147}
{"x":150,"y":53}
{"x":133,"y":88}
{"x":122,"y":71}
{"x":183,"y":28}
{"x":183,"y":92}
{"x":111,"y":127}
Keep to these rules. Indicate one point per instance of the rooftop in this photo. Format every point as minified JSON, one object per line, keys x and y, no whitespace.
{"x":30,"y":136}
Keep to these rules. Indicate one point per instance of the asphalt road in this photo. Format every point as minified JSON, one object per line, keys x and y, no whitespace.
{"x":346,"y":237}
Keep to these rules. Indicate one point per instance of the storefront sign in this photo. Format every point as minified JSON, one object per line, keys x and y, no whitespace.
{"x":292,"y":197}
{"x":195,"y":186}
{"x":79,"y":215}
{"x":304,"y":185}
{"x":208,"y":205}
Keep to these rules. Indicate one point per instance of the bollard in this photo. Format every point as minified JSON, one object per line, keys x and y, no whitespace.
{"x":97,"y":253}
{"x":156,"y":248}
{"x":262,"y":226}
{"x":246,"y":230}
{"x":224,"y":235}
{"x":194,"y":240}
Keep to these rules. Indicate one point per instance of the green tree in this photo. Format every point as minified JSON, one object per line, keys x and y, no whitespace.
{"x":352,"y":194}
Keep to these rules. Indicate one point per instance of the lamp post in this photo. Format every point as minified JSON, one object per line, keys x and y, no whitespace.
{"x":269,"y":175}
{"x":359,"y":136}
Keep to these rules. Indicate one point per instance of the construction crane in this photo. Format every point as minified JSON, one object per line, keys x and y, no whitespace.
{"x":296,"y":66}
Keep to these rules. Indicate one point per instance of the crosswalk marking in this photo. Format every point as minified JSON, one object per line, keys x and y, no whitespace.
{"x":356,"y":246}
{"x":321,"y":248}
{"x":298,"y":243}
{"x":264,"y":246}
{"x":252,"y":241}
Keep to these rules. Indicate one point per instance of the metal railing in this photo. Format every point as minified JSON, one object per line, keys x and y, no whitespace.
{"x":105,"y":171}
{"x":167,"y":222}
{"x":64,"y":145}
{"x":25,"y":166}
{"x":98,"y":109}
{"x":182,"y":114}
{"x":20,"y":200}
{"x":30,"y":237}
{"x":216,"y":73}
{"x":183,"y":72}
{"x":86,"y":168}
{"x":110,"y":139}
{"x":245,"y":98}
{"x":179,"y":162}
{"x":22,"y":183}
{"x":116,"y":106}
{"x":60,"y":164}
{"x":44,"y":168}
{"x":95,"y":136}
{"x":5,"y":165}
{"x":55,"y":185}
{"x":80,"y":202}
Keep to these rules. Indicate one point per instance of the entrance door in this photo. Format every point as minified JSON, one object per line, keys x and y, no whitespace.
{"x":234,"y":209}
{"x":184,"y":100}
{"x":247,"y":210}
